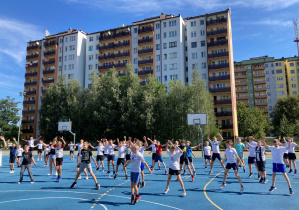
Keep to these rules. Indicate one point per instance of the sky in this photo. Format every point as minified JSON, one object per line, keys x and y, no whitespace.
{"x":259,"y":27}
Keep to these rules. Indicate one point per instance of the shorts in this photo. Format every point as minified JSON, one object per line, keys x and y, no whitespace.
{"x":52,"y":156}
{"x":153,"y":156}
{"x":19,"y":157}
{"x":231,"y":165}
{"x":31,"y":149}
{"x":158,"y":157}
{"x":174,"y":172}
{"x":100,"y":157}
{"x":135,"y":177}
{"x":111,"y":157}
{"x":39,"y":151}
{"x":261,"y":165}
{"x":105,"y":155}
{"x":142,"y":166}
{"x":278,"y":167}
{"x":46,"y":155}
{"x":84,"y":165}
{"x":292,"y":156}
{"x":216,"y":155}
{"x":121,"y":161}
{"x":207,"y":157}
{"x":251,"y":160}
{"x":190,"y":159}
{"x":12,"y":159}
{"x":128,"y":157}
{"x":71,"y":152}
{"x":241,"y":155}
{"x":285,"y":156}
{"x":59,"y":161}
{"x":184,"y":160}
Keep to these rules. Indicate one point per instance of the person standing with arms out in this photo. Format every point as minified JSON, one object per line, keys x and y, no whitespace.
{"x":121,"y":158}
{"x":72,"y":148}
{"x":251,"y":145}
{"x":26,"y":164}
{"x":111,"y":156}
{"x":52,"y":146}
{"x":239,"y":146}
{"x":158,"y":156}
{"x":19,"y":155}
{"x":31,"y":142}
{"x":277,"y":152}
{"x":40,"y":150}
{"x":207,"y":155}
{"x":100,"y":154}
{"x":230,"y":154}
{"x":59,"y":157}
{"x":261,"y":160}
{"x":292,"y":155}
{"x":216,"y":150}
{"x":46,"y":155}
{"x":12,"y":155}
{"x":189,"y":156}
{"x":154,"y":154}
{"x":80,"y":145}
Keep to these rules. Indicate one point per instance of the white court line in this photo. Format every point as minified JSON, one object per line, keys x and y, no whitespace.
{"x":88,"y":194}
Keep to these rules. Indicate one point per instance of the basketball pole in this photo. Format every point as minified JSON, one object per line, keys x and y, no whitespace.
{"x":201,"y":140}
{"x":74,"y":134}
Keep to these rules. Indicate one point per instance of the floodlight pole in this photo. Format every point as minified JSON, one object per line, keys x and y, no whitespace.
{"x":74,"y":134}
{"x":201,"y":140}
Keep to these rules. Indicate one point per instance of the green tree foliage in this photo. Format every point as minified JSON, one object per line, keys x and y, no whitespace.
{"x":117,"y":106}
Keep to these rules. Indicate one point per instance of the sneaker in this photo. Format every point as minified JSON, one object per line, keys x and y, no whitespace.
{"x":258,"y":176}
{"x":159,"y":168}
{"x":86,"y":178}
{"x":290,"y":171}
{"x":103,"y":170}
{"x":97,"y":186}
{"x":10,"y":171}
{"x":265,"y":181}
{"x":272,"y":188}
{"x":242,"y":189}
{"x":166,"y":190}
{"x":194,"y":173}
{"x":79,"y":177}
{"x":291,"y":191}
{"x":56,"y":174}
{"x":192,"y":178}
{"x":132,"y":199}
{"x":223,"y":185}
{"x":19,"y":182}
{"x":73,"y":185}
{"x":239,"y":166}
{"x":184,"y":192}
{"x":165,"y":172}
{"x":126,"y":177}
{"x":206,"y":167}
{"x":295,"y":172}
{"x":210,"y":172}
{"x":184,"y":173}
{"x":115,"y":176}
{"x":57,"y":180}
{"x":97,"y":169}
{"x":108,"y":172}
{"x":137,"y":198}
{"x":49,"y":174}
{"x":261,"y":180}
{"x":250,"y":175}
{"x":287,"y":166}
{"x":32,"y":182}
{"x":244,"y":170}
{"x":142,"y":184}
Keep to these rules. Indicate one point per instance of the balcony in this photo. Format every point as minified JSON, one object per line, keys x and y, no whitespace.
{"x":215,"y":32}
{"x":30,"y":74}
{"x":48,"y":81}
{"x":122,"y":44}
{"x":261,"y":104}
{"x":259,"y":82}
{"x":28,"y":111}
{"x":225,"y":101}
{"x":49,"y":71}
{"x":109,"y":46}
{"x":29,"y":102}
{"x":224,"y":77}
{"x":123,"y":54}
{"x":102,"y":57}
{"x":49,"y":53}
{"x":223,"y":114}
{"x":240,"y":70}
{"x":220,"y":90}
{"x":241,"y":77}
{"x":106,"y":66}
{"x":218,"y":54}
{"x":217,"y":43}
{"x":242,"y":98}
{"x":145,"y":29}
{"x":119,"y":65}
{"x":148,"y":39}
{"x":219,"y":66}
{"x":106,"y":37}
{"x":219,"y":20}
{"x":32,"y":92}
{"x":241,"y":84}
{"x":32,"y":56}
{"x":32,"y":47}
{"x":49,"y":62}
{"x":30,"y":83}
{"x":44,"y":91}
{"x":261,"y":96}
{"x":122,"y":33}
{"x":145,"y":72}
{"x":258,"y":68}
{"x":30,"y":130}
{"x":242,"y":91}
{"x":259,"y":89}
{"x":143,"y":51}
{"x":27,"y":121}
{"x":31,"y":65}
{"x":229,"y":126}
{"x":48,"y":44}
{"x":141,"y":62}
{"x":259,"y":75}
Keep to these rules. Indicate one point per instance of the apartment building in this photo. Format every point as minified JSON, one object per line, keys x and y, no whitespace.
{"x":166,"y":47}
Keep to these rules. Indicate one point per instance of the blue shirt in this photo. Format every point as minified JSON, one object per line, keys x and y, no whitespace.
{"x":239,"y":147}
{"x":13,"y":151}
{"x":189,"y":151}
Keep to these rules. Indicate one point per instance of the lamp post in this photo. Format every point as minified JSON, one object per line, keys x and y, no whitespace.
{"x":22,"y":94}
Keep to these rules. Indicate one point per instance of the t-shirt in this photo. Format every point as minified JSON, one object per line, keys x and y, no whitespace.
{"x":59,"y":151}
{"x":19,"y":152}
{"x":31,"y":143}
{"x":158,"y":149}
{"x":39,"y":146}
{"x":110,"y":149}
{"x":252,"y":148}
{"x":189,"y":152}
{"x":27,"y":158}
{"x":52,"y":149}
{"x":174,"y":159}
{"x":71,"y":148}
{"x":136,"y":158}
{"x":47,"y":150}
{"x":121,"y":151}
{"x":128,"y":151}
{"x":79,"y":147}
{"x":230,"y":155}
{"x":260,"y":153}
{"x":215,"y":146}
{"x":12,"y":151}
{"x":141,"y":150}
{"x":85,"y":155}
{"x":106,"y":150}
{"x":100,"y":150}
{"x":239,"y":147}
{"x":207,"y":150}
{"x":153,"y":148}
{"x":184,"y":149}
{"x":292,"y":148}
{"x":286,"y":145}
{"x":277,"y":154}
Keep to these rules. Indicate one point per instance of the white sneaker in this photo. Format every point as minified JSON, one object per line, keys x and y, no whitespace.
{"x":41,"y":159}
{"x":242,"y":190}
{"x":184,"y":193}
{"x":56,"y":174}
{"x":19,"y":182}
{"x":32,"y":182}
{"x":49,"y":174}
{"x":79,"y":177}
{"x":12,"y":171}
{"x":86,"y":178}
{"x":223,"y":185}
{"x":166,"y":190}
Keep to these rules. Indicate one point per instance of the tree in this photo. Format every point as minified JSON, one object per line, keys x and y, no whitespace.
{"x":9,"y":117}
{"x":285,"y":128}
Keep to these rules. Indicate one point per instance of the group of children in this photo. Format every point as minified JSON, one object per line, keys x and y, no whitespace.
{"x":179,"y":152}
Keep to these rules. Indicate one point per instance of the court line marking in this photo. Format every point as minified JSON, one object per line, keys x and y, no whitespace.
{"x":204,"y":191}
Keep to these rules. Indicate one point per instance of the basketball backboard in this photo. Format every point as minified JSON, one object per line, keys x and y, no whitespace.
{"x":197,"y":119}
{"x":65,"y":126}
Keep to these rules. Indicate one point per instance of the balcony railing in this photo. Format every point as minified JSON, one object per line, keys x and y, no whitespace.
{"x":259,"y":89}
{"x":49,"y":62}
{"x":261,"y":104}
{"x":31,"y":65}
{"x":30,"y":83}
{"x":145,"y":51}
{"x":259,"y":82}
{"x":261,"y":96}
{"x":218,"y":54}
{"x":50,"y":53}
{"x":44,"y":91}
{"x":242,"y":98}
{"x":119,"y":34}
{"x":223,"y":114}
{"x":122,"y":44}
{"x":32,"y":56}
{"x":32,"y":92}
{"x":219,"y":66}
{"x":47,"y":81}
{"x":49,"y":71}
{"x":240,"y":70}
{"x":225,"y":101}
{"x":148,"y":39}
{"x":32,"y":47}
{"x":220,"y":90}
{"x":118,"y":65}
{"x":28,"y":111}
{"x":229,"y":126}
{"x":241,"y":84}
{"x":145,"y":72}
{"x":215,"y":32}
{"x":30,"y":74}
{"x":217,"y":43}
{"x":29,"y":102}
{"x":102,"y":57}
{"x":241,"y":77}
{"x":123,"y":54}
{"x":224,"y":77}
{"x":259,"y":75}
{"x":121,"y":74}
{"x":30,"y":130}
{"x":48,"y":44}
{"x":219,"y":20}
{"x":143,"y":83}
{"x":140,"y":62}
{"x":242,"y":91}
{"x":109,"y":46}
{"x":258,"y":68}
{"x":106,"y":66}
{"x":27,"y":121}
{"x":145,"y":29}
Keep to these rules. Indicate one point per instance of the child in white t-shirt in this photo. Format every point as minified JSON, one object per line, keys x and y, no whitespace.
{"x":207,"y":154}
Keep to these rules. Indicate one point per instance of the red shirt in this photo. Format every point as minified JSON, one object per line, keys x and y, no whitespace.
{"x":158,"y":149}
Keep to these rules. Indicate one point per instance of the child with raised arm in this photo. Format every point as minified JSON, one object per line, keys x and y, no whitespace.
{"x":184,"y":159}
{"x":286,"y":154}
{"x":72,"y":147}
{"x":277,"y":152}
{"x":136,"y":159}
{"x":110,"y":157}
{"x":46,"y":155}
{"x":31,"y":142}
{"x":230,"y":154}
{"x":153,"y":147}
{"x":100,"y":155}
{"x":292,"y":155}
{"x":19,"y":155}
{"x":261,"y":161}
{"x":40,"y":150}
{"x":121,"y":158}
{"x":158,"y":156}
{"x":251,"y":145}
{"x":59,"y":157}
{"x":216,"y":150}
{"x":174,"y":153}
{"x":26,"y":164}
{"x":52,"y":146}
{"x":12,"y":155}
{"x":189,"y":156}
{"x":239,"y":146}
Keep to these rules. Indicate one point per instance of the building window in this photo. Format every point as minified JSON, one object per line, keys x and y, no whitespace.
{"x":60,"y":49}
{"x":165,"y":56}
{"x":135,"y":60}
{"x":135,"y":40}
{"x":90,"y":57}
{"x":293,"y":85}
{"x":70,"y":76}
{"x":193,"y":23}
{"x":194,"y":66}
{"x":65,"y":58}
{"x":164,"y":35}
{"x":291,"y":64}
{"x":158,"y":26}
{"x":97,"y":47}
{"x":164,"y":24}
{"x":91,"y":39}
{"x":60,"y":68}
{"x":174,"y":77}
{"x":96,"y":66}
{"x":273,"y":72}
{"x":64,"y":67}
{"x":267,"y":72}
{"x":203,"y":43}
{"x":204,"y":76}
{"x":72,"y":47}
{"x":270,"y":108}
{"x":59,"y":59}
{"x":157,"y":46}
{"x":294,"y":92}
{"x":203,"y":65}
{"x":202,"y":22}
{"x":65,"y":39}
{"x":89,"y":86}
{"x":65,"y":49}
{"x":135,"y":30}
{"x":158,"y":68}
{"x":60,"y":40}
{"x":202,"y":33}
{"x":293,"y":78}
{"x":158,"y":57}
{"x":165,"y":78}
{"x":279,"y":78}
{"x":172,"y":23}
{"x":194,"y":55}
{"x":165,"y":67}
{"x":172,"y":33}
{"x":90,"y":48}
{"x":71,"y":66}
{"x":292,"y":71}
{"x":277,"y":64}
{"x":164,"y":45}
{"x":266,"y":65}
{"x":157,"y":36}
{"x":158,"y":79}
{"x":172,"y":44}
{"x":97,"y":37}
{"x":135,"y":50}
{"x":72,"y":38}
{"x":173,"y":66}
{"x":280,"y":93}
{"x":193,"y":34}
{"x":203,"y":54}
{"x":172,"y":55}
{"x":279,"y":71}
{"x":90,"y":67}
{"x":193,"y":44}
{"x":71,"y":57}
